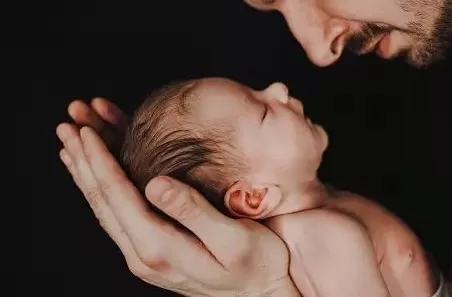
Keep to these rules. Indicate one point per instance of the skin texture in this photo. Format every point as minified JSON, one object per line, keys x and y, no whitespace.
{"x":331,"y":254}
{"x":281,"y":147}
{"x":403,"y":263}
{"x":281,"y":183}
{"x":213,"y":266}
{"x":246,"y":259}
{"x":414,"y":29}
{"x":418,"y":30}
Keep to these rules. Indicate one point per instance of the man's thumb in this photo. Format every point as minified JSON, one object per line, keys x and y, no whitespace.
{"x":173,"y":198}
{"x":220,"y":234}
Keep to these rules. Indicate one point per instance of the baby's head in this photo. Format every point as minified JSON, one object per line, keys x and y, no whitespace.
{"x":251,"y":153}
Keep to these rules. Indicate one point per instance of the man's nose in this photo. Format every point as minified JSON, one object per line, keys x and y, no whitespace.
{"x":322,"y":37}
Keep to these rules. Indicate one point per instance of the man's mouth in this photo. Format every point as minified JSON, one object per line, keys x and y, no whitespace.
{"x":372,"y":46}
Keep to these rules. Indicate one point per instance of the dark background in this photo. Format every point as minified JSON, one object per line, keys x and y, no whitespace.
{"x":389,"y":125}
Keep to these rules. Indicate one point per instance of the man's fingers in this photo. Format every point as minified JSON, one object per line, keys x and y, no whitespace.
{"x":110,"y":225}
{"x":197,"y":261}
{"x":80,"y":169}
{"x":70,"y":137}
{"x":221,"y":235}
{"x":123,"y":198}
{"x":113,"y":198}
{"x":67,"y":161}
{"x":141,"y":225}
{"x":83,"y":115}
{"x":110,"y":113}
{"x":73,"y":152}
{"x":74,"y":159}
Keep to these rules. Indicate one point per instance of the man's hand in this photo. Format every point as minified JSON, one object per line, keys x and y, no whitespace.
{"x":103,"y":116}
{"x":221,"y":257}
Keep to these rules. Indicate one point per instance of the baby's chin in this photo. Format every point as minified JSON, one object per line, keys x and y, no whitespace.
{"x":323,"y":138}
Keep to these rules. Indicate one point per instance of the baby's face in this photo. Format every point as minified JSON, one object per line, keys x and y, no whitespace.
{"x":281,"y":145}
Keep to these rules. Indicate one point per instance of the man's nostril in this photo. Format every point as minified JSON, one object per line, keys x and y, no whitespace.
{"x":338,"y":44}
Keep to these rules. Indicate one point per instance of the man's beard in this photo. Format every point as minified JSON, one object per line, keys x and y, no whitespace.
{"x":427,"y":49}
{"x":360,"y":40}
{"x":439,"y":46}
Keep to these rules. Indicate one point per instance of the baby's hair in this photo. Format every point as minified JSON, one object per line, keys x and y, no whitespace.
{"x":164,"y":138}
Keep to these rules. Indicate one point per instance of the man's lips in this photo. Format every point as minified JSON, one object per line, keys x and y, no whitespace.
{"x":372,"y":46}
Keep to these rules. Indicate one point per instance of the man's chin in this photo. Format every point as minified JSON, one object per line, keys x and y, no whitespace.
{"x":425,"y":59}
{"x":417,"y":61}
{"x":412,"y":61}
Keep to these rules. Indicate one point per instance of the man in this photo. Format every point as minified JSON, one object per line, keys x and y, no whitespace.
{"x":416,"y":29}
{"x":235,"y":264}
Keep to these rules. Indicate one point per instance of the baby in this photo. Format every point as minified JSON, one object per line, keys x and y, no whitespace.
{"x":254,"y":154}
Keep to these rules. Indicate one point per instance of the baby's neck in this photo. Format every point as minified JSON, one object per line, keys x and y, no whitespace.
{"x":304,"y":196}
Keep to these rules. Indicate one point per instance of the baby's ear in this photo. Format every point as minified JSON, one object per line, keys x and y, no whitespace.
{"x":253,"y":202}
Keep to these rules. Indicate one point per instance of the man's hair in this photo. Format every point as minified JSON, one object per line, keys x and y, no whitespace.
{"x":162,"y":139}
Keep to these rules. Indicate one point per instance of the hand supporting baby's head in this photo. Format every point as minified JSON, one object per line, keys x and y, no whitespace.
{"x":247,"y":151}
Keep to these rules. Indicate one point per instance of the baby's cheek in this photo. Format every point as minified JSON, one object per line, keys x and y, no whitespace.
{"x":299,"y":160}
{"x":290,"y":162}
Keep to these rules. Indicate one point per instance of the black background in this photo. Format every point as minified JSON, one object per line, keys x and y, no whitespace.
{"x":389,"y":125}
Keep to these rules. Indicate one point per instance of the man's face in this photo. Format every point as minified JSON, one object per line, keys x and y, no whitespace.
{"x":419,"y":30}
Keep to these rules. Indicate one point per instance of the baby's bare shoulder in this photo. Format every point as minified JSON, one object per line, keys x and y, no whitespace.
{"x":325,"y":244}
{"x":329,"y":218}
{"x":325,"y":226}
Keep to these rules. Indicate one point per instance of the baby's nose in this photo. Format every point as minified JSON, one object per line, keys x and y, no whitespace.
{"x":277,"y":91}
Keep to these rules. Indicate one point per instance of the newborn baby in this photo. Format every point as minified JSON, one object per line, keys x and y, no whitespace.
{"x":254,"y":154}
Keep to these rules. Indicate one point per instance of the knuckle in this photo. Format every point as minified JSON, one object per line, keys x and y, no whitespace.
{"x":154,"y":259}
{"x":182,"y":206}
{"x":104,"y":187}
{"x":94,"y":196}
{"x":157,"y":263}
{"x":138,"y":270}
{"x":103,"y":224}
{"x":188,"y":211}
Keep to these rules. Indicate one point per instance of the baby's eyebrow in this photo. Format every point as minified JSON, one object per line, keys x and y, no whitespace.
{"x":247,"y":97}
{"x":255,"y":104}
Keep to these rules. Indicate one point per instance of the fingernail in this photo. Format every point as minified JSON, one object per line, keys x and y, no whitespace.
{"x":84,"y":133}
{"x":157,"y":187}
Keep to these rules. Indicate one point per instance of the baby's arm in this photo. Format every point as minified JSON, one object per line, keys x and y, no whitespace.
{"x":332,"y":255}
{"x":403,"y":262}
{"x":405,"y":268}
